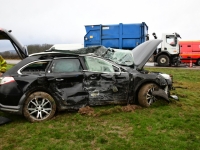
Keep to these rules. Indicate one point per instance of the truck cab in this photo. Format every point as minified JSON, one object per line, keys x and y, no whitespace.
{"x":168,"y":53}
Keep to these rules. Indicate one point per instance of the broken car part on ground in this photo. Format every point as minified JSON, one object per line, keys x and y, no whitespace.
{"x":57,"y":80}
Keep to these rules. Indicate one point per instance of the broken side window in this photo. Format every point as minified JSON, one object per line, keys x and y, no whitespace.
{"x":121,"y":57}
{"x":35,"y":67}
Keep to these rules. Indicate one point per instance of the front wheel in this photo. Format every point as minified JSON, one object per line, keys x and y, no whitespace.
{"x":163,"y":60}
{"x":145,"y":96}
{"x":39,"y":106}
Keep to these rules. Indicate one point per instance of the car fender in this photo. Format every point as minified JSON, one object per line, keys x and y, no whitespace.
{"x":142,"y":82}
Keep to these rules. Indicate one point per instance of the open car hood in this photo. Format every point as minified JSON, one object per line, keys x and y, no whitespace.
{"x":143,"y":52}
{"x":20,"y":50}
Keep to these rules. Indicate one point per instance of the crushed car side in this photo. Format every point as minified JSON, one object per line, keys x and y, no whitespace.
{"x":38,"y":86}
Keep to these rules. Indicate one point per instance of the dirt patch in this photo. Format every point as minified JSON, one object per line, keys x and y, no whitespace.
{"x":130,"y":108}
{"x":90,"y":111}
{"x":86,"y":111}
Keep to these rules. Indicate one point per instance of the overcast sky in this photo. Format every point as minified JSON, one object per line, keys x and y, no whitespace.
{"x":62,"y":21}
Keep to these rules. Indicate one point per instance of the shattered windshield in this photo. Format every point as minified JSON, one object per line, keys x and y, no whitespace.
{"x":121,"y":57}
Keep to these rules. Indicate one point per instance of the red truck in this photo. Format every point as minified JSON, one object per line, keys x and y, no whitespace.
{"x":190,"y":52}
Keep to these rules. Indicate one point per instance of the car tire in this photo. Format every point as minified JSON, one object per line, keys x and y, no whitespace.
{"x":163,"y":60}
{"x":198,"y":62}
{"x":145,"y":97}
{"x":39,"y":106}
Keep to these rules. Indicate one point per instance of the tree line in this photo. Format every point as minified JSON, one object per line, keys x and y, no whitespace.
{"x":35,"y":48}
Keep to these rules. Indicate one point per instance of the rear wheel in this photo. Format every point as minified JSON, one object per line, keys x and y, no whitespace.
{"x":39,"y":106}
{"x":163,"y":60}
{"x":145,"y":96}
{"x":198,"y":62}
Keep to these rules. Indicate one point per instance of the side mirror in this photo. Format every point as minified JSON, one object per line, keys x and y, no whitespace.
{"x":154,"y":35}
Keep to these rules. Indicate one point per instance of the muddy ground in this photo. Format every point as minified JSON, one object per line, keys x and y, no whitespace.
{"x":90,"y":111}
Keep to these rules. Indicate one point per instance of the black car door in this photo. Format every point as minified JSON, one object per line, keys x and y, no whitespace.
{"x":66,"y":79}
{"x":104,"y":82}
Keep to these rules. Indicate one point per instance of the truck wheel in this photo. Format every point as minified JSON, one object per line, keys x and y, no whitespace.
{"x":39,"y":106}
{"x":163,"y":60}
{"x":145,"y":97}
{"x":198,"y":62}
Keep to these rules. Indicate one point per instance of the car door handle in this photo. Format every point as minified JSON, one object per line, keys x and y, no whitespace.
{"x":59,"y":79}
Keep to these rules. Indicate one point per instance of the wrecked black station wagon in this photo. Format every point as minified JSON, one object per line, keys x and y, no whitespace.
{"x":56,"y":80}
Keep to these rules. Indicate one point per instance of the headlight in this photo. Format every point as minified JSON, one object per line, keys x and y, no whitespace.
{"x":168,"y":78}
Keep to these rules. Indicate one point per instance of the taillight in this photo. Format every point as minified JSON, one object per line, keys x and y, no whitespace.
{"x":6,"y":80}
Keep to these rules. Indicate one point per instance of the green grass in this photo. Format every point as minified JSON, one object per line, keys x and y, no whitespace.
{"x":162,"y":126}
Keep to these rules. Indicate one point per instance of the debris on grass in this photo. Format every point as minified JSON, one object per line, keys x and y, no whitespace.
{"x":86,"y":111}
{"x":180,"y":87}
{"x":4,"y":120}
{"x":90,"y":111}
{"x":130,"y":108}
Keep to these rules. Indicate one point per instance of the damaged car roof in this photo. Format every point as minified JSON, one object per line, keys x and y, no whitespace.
{"x":140,"y":55}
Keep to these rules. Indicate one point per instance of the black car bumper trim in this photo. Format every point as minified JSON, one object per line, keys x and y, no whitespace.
{"x":14,"y":109}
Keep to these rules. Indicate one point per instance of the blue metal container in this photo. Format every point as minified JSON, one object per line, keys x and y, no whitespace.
{"x":121,"y":36}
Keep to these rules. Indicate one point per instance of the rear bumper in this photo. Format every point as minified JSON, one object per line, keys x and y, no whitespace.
{"x":10,"y":96}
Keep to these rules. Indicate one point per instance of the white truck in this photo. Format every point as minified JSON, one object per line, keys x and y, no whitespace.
{"x":168,"y":53}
